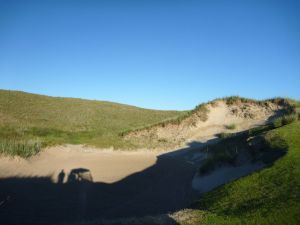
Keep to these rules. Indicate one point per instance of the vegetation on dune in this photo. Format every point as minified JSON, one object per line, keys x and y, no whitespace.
{"x":279,"y":101}
{"x":284,"y":120}
{"x":23,"y":148}
{"x":270,"y":196}
{"x":201,"y":111}
{"x":231,"y":126}
{"x":252,"y":143}
{"x":25,"y":118}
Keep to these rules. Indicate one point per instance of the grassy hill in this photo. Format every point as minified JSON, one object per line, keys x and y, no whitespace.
{"x":30,"y":121}
{"x":267,"y":197}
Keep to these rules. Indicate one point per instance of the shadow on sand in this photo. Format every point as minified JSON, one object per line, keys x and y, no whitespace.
{"x":162,"y":188}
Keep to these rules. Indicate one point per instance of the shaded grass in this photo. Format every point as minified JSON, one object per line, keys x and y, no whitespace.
{"x":233,"y":144}
{"x":284,"y":120}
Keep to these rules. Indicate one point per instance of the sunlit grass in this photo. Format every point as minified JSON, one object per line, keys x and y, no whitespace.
{"x":54,"y":121}
{"x":23,"y":148}
{"x":270,"y":196}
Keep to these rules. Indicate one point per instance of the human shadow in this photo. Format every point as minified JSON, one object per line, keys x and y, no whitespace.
{"x":61,"y":177}
{"x":160,"y":189}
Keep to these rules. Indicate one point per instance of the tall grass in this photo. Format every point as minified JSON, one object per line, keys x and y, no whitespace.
{"x":23,"y":148}
{"x":284,"y":120}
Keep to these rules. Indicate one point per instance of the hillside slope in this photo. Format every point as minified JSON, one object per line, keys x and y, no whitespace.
{"x":270,"y":196}
{"x":52,"y":120}
{"x":228,"y":115}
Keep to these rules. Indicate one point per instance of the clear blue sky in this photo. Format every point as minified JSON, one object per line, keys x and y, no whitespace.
{"x":151,"y":53}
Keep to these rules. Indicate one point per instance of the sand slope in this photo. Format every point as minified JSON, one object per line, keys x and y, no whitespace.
{"x":194,"y":128}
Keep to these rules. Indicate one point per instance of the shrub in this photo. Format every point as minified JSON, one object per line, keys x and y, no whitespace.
{"x":284,"y":120}
{"x":298,"y":116}
{"x":232,"y":100}
{"x":231,"y":126}
{"x":289,"y":119}
{"x":224,"y":135}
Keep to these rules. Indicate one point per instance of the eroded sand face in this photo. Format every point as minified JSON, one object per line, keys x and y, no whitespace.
{"x":104,"y":165}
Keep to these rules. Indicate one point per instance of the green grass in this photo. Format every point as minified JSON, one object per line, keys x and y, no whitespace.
{"x":23,"y":148}
{"x":231,"y":126}
{"x":284,"y":120}
{"x":268,"y":197}
{"x":53,"y":120}
{"x":280,"y":101}
{"x":201,"y":111}
{"x":25,"y":117}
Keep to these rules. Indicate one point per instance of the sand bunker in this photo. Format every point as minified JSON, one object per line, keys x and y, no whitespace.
{"x":74,"y":183}
{"x":105,"y":165}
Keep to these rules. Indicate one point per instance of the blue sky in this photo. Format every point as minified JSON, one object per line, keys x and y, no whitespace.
{"x":155,"y":54}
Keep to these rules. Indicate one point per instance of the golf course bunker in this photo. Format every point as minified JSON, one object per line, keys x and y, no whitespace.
{"x":105,"y":165}
{"x":74,"y":183}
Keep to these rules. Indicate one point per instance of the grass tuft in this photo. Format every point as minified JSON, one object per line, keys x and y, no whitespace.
{"x":284,"y":120}
{"x":23,"y":148}
{"x":231,"y":126}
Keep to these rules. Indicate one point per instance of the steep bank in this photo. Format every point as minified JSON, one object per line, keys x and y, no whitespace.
{"x":209,"y":120}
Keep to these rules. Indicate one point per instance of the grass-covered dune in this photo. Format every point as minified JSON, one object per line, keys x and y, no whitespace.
{"x":270,"y":196}
{"x":29,"y":121}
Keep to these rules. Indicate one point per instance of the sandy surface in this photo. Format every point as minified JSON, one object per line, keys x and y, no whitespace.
{"x":104,"y":165}
{"x":194,"y":129}
{"x":223,"y":175}
{"x":104,"y":185}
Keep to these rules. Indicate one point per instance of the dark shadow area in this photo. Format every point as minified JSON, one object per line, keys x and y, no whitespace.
{"x":280,"y":112}
{"x":162,"y":188}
